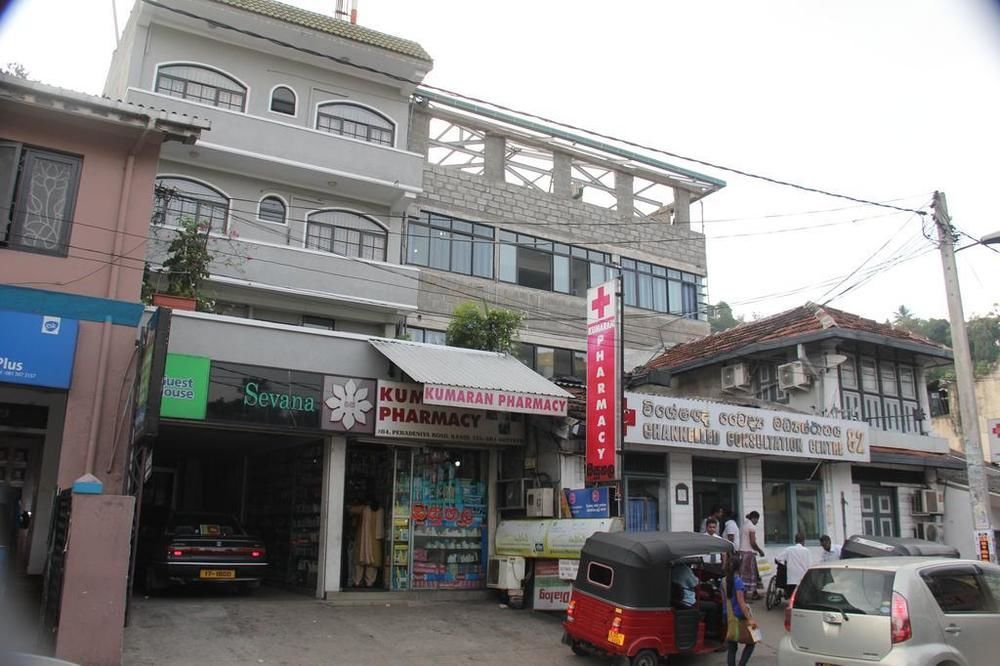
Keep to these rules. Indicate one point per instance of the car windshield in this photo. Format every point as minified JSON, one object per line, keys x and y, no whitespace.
{"x":215,"y":525}
{"x":850,"y":591}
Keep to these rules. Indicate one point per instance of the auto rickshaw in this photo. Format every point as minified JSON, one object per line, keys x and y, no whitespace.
{"x":625,"y":606}
{"x":861,"y":545}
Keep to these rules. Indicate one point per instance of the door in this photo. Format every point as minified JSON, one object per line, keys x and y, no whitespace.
{"x":708,"y":494}
{"x":647,"y":504}
{"x":966,"y":597}
{"x":878,"y":511}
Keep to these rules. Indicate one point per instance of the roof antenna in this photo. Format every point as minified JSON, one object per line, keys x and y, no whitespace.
{"x":341,"y":11}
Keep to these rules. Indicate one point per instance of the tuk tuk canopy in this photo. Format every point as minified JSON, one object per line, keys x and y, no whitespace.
{"x":633,"y":568}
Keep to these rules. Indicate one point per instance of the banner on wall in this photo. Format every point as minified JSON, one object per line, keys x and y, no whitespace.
{"x":185,"y":387}
{"x":552,"y":593}
{"x":713,"y":426}
{"x":550,"y":538}
{"x":603,"y":382}
{"x":37,"y":350}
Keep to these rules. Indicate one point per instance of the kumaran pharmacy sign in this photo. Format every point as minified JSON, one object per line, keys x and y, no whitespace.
{"x":709,"y":426}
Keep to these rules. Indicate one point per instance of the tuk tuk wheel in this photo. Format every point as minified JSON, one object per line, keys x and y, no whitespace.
{"x":646,"y":658}
{"x":578,"y":649}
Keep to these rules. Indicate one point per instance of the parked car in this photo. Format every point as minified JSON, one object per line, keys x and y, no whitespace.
{"x":204,"y":548}
{"x":912,"y":611}
{"x":861,"y":545}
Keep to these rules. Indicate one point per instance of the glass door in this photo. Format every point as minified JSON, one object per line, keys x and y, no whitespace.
{"x":647,"y":504}
{"x":399,"y":555}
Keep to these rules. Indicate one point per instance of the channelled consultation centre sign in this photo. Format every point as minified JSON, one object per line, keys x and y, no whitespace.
{"x":709,"y":426}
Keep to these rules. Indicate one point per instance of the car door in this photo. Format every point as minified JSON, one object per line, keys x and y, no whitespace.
{"x":968,"y":603}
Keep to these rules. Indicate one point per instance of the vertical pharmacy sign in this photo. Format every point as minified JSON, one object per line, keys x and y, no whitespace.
{"x":603,"y":382}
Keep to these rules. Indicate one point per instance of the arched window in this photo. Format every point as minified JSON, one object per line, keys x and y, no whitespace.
{"x":346,"y":233}
{"x":283,"y":100}
{"x":272,"y":209}
{"x":355,"y":121}
{"x":178,"y":199}
{"x":201,"y":84}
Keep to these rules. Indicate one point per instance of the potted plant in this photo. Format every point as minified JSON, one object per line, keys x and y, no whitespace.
{"x":185,"y":268}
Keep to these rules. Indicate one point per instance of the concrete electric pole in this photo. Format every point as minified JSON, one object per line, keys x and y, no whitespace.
{"x":968,"y":413}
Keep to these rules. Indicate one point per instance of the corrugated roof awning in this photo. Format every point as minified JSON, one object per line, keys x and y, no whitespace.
{"x":475,"y":379}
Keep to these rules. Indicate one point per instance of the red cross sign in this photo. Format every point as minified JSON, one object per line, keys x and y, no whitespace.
{"x":601,"y":302}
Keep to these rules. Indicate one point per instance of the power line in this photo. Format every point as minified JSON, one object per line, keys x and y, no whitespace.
{"x":403,"y":79}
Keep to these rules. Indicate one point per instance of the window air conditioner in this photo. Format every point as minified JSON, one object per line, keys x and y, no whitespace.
{"x":505,"y":573}
{"x":928,"y":502}
{"x":929,"y":531}
{"x":793,"y":376}
{"x":735,"y":377}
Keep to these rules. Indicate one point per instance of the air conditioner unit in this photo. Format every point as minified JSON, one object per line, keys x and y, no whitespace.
{"x":928,"y":502}
{"x":929,"y":531}
{"x":735,"y":377}
{"x":793,"y":376}
{"x":540,"y":504}
{"x":511,"y":493}
{"x":505,"y":573}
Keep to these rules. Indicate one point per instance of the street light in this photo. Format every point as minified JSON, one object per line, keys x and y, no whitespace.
{"x":979,"y":493}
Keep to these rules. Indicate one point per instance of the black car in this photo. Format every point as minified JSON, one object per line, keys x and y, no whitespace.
{"x":204,"y":548}
{"x":861,"y":545}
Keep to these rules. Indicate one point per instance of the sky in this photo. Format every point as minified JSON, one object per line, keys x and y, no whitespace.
{"x":886,"y":101}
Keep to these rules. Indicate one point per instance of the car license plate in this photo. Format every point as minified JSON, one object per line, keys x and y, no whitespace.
{"x":616,"y":637}
{"x":825,"y":663}
{"x":217,"y":573}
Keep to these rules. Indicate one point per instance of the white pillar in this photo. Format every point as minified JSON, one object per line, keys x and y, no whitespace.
{"x":331,"y":535}
{"x":681,"y":470}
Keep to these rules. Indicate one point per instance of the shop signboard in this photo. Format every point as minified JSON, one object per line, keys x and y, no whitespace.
{"x":710,"y":426}
{"x":402,"y":414}
{"x":568,"y":569}
{"x":348,"y":405}
{"x":152,"y":351}
{"x":551,"y":538}
{"x":603,"y":382}
{"x":37,"y":350}
{"x":185,"y":387}
{"x":255,"y":395}
{"x":504,"y":401}
{"x":993,"y":433}
{"x":552,"y":593}
{"x":589,"y":502}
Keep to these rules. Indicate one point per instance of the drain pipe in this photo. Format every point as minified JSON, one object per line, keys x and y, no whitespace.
{"x":88,"y":483}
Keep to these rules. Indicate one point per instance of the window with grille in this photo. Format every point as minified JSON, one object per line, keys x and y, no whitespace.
{"x":179,"y":199}
{"x":345,"y":233}
{"x":272,"y":209}
{"x":283,"y":100}
{"x":38,"y":191}
{"x":357,"y":122}
{"x":202,"y":84}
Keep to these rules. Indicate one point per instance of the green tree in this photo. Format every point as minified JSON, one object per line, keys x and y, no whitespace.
{"x":187,"y":262}
{"x":983,"y":332}
{"x":15,"y":69}
{"x":722,"y":317}
{"x":489,"y":330}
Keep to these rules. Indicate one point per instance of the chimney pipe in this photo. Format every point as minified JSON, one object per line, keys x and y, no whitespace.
{"x":354,"y":11}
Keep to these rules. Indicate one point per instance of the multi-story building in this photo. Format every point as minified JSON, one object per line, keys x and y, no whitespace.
{"x":814,"y":417}
{"x":76,"y":173}
{"x":348,"y":207}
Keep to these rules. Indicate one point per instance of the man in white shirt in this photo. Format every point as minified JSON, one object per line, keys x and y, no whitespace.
{"x":731,"y":530}
{"x":796,"y":559}
{"x":712,"y":529}
{"x":830,"y":552}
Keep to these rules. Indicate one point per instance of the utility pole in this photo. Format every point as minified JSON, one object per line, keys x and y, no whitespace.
{"x":968,"y":412}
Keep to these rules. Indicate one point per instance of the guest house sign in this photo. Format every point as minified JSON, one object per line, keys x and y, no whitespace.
{"x":712,"y":426}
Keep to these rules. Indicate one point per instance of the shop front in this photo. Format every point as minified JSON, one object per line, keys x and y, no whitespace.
{"x":792,"y":468}
{"x":355,"y":475}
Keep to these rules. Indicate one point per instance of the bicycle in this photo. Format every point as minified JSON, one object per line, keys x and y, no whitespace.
{"x":776,"y":587}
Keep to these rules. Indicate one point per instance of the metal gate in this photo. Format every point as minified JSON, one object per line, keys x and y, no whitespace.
{"x":55,"y":564}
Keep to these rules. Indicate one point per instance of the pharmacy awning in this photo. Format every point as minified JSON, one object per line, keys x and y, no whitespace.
{"x":475,"y":379}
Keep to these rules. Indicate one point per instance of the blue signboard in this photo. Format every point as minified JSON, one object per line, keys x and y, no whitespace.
{"x":589,"y":503}
{"x":37,"y":349}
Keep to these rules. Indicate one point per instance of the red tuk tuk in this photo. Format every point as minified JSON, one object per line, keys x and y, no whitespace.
{"x":624,"y":604}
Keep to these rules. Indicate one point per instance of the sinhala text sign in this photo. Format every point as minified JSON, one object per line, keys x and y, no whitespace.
{"x":603,"y":382}
{"x":709,"y":426}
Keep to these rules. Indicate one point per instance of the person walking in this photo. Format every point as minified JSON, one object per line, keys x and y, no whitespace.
{"x":830,"y":551}
{"x":739,"y":619}
{"x":796,"y":559}
{"x":749,"y":549}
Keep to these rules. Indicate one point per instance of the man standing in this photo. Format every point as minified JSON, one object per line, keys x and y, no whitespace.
{"x":731,"y":529}
{"x":716,"y":512}
{"x":830,"y":552}
{"x":796,"y":559}
{"x":748,"y":548}
{"x":712,"y":529}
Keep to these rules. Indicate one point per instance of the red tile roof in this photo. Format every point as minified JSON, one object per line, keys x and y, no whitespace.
{"x":799,"y":321}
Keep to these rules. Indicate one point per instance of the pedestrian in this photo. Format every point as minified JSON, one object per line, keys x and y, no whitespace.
{"x":748,"y":548}
{"x":712,"y":529}
{"x":730,"y":529}
{"x":830,"y":551}
{"x":796,"y":559}
{"x":739,"y":619}
{"x":716,"y":512}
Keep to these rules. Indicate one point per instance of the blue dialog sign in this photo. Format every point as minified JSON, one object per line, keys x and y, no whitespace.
{"x":37,"y":349}
{"x":588,"y":502}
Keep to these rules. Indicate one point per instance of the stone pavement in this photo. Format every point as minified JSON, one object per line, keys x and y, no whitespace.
{"x":278,"y":628}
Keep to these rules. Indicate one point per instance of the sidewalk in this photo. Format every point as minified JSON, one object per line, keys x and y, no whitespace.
{"x":279,"y":628}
